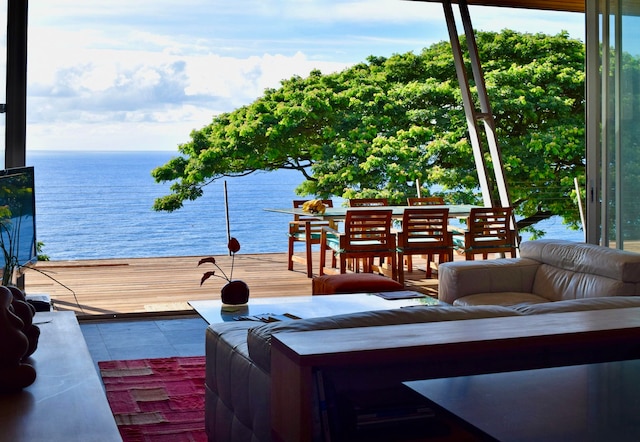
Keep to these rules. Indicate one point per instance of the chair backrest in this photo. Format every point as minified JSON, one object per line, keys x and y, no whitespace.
{"x":367,"y":230}
{"x":490,"y":228}
{"x":426,"y":201}
{"x":368,"y":202}
{"x":424,"y":227}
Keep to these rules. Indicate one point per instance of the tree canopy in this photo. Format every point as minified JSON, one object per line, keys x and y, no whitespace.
{"x":375,"y":128}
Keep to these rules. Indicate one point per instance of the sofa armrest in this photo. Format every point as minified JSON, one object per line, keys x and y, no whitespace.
{"x":462,"y":278}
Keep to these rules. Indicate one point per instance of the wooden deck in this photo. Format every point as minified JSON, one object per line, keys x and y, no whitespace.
{"x":159,"y":286}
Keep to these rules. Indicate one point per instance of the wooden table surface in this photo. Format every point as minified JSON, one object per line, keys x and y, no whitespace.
{"x":339,"y":213}
{"x":591,"y":402}
{"x":442,"y":349}
{"x":67,"y":401}
{"x":305,"y":306}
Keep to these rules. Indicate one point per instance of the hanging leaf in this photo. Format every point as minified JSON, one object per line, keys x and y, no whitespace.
{"x":234,"y":245}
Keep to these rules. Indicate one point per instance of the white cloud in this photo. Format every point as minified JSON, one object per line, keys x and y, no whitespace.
{"x":244,"y":79}
{"x":134,"y":89}
{"x":143,"y":74}
{"x":548,"y":22}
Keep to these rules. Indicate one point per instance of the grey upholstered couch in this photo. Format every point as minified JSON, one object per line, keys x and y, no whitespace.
{"x":547,"y":270}
{"x":238,"y":370}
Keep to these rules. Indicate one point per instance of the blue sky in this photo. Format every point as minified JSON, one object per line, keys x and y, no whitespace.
{"x":141,"y":74}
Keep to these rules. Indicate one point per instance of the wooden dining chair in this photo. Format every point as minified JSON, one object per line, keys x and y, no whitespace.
{"x":307,"y":229}
{"x":421,"y":201}
{"x":489,"y":231}
{"x":368,"y":202}
{"x":367,"y":235}
{"x":424,"y":232}
{"x":426,"y":201}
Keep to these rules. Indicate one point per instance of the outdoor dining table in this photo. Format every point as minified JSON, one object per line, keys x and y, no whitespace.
{"x":340,"y":213}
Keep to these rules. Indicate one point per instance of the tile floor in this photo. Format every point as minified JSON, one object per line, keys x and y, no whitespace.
{"x":144,"y":338}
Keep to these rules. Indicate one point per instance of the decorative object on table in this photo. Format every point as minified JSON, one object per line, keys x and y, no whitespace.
{"x":235,"y":292}
{"x":14,"y":345}
{"x":307,"y":229}
{"x":25,"y":311}
{"x":314,"y":206}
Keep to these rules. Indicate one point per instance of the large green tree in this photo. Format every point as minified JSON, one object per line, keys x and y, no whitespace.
{"x":378,"y":126}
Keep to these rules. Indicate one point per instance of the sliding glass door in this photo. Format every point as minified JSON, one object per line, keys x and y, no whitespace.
{"x":613,"y":123}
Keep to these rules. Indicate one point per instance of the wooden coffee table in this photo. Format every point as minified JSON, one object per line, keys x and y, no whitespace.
{"x":452,"y":348}
{"x":574,"y":403}
{"x":306,"y":306}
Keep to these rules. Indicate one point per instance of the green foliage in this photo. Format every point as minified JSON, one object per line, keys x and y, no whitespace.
{"x":40,"y":251}
{"x":12,"y":195}
{"x":375,"y":128}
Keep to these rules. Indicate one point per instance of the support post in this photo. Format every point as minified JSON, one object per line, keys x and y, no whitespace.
{"x":16,"y":95}
{"x":495,"y":192}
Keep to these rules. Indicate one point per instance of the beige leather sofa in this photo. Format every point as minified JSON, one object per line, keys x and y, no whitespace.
{"x":238,"y":369}
{"x":547,"y":270}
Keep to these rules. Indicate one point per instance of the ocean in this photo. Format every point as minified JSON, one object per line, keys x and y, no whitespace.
{"x":98,"y":205}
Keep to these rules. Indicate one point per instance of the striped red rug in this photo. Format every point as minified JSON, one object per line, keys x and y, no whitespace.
{"x":157,"y":400}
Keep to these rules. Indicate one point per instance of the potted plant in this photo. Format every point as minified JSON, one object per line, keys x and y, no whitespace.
{"x":9,"y":240}
{"x":235,"y":292}
{"x":10,"y":259}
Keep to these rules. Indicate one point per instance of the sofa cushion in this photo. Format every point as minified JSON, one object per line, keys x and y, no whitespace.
{"x":259,"y":338}
{"x":461,"y":278}
{"x":500,"y":298}
{"x":584,"y":258}
{"x":353,"y":283}
{"x":225,"y":341}
{"x":575,"y":305}
{"x":557,"y":284}
{"x":237,"y":392}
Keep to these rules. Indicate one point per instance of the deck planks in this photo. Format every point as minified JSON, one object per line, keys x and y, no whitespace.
{"x":151,"y":286}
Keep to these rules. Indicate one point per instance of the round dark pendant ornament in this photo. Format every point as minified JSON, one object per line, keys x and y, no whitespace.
{"x":235,"y":293}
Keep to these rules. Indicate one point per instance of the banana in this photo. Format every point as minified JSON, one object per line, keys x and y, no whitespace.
{"x":314,"y":206}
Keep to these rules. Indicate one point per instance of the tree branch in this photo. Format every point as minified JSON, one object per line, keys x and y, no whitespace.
{"x":540,"y":215}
